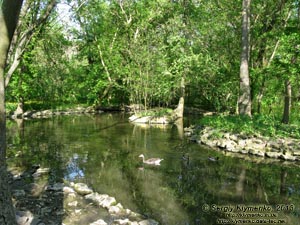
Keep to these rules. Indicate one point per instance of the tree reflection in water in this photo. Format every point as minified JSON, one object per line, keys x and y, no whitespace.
{"x":104,"y":150}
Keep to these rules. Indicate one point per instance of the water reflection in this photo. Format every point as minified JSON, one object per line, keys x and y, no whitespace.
{"x":73,"y":170}
{"x":103,"y":151}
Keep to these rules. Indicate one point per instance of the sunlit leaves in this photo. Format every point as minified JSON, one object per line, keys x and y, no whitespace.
{"x":123,"y":52}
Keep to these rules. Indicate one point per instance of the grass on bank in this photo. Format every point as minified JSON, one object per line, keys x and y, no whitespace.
{"x":257,"y":125}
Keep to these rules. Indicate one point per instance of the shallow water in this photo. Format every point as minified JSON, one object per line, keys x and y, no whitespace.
{"x":102,"y":151}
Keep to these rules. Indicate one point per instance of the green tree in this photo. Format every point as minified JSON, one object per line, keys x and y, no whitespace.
{"x":272,"y":54}
{"x":142,"y":50}
{"x":33,"y":17}
{"x":270,"y":20}
{"x":44,"y":75}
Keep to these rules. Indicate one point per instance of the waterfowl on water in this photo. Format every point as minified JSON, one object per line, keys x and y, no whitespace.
{"x":186,"y":159}
{"x":213,"y":159}
{"x":151,"y":161}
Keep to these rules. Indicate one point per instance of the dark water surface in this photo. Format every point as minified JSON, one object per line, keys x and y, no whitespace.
{"x":103,"y":150}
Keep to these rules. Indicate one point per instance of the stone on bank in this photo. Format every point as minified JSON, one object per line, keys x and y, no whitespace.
{"x":285,"y":149}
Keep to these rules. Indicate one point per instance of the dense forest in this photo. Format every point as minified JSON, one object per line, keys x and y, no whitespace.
{"x":113,"y":53}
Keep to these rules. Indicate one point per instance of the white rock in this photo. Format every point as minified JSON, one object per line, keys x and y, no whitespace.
{"x":288,"y":157}
{"x":73,"y":204}
{"x":96,"y":198}
{"x":132,"y":118}
{"x":99,"y":222}
{"x":128,"y":211}
{"x":116,"y":209}
{"x":109,"y":201}
{"x":101,"y":200}
{"x":256,"y":152}
{"x":275,"y":155}
{"x":120,"y":206}
{"x":71,"y":196}
{"x":160,"y":120}
{"x":230,"y":145}
{"x":255,"y":146}
{"x":296,"y":152}
{"x":122,"y":222}
{"x":78,"y":211}
{"x":40,"y":171}
{"x":148,"y":222}
{"x":144,"y":119}
{"x":242,"y":143}
{"x":82,"y":189}
{"x":68,"y":190}
{"x":17,"y":177}
{"x":233,"y":137}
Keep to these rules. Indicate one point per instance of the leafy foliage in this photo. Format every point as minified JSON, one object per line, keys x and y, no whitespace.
{"x":138,"y":52}
{"x":156,"y":112}
{"x":257,"y":125}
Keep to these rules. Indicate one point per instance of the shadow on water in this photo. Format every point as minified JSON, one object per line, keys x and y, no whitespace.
{"x":6,"y":205}
{"x":36,"y":169}
{"x":194,"y":185}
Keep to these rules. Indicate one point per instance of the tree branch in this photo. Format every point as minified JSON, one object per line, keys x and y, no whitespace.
{"x":22,"y":39}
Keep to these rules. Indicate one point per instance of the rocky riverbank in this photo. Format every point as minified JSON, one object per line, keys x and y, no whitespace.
{"x":159,"y":116}
{"x":48,"y":113}
{"x":277,"y":148}
{"x":39,"y":203}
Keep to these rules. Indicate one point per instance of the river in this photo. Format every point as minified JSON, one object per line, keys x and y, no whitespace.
{"x":187,"y":189}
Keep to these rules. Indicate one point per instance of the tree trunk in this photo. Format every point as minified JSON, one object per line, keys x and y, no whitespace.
{"x":260,"y":96}
{"x":178,"y":112}
{"x":287,"y":102}
{"x":244,"y":101}
{"x":9,"y":12}
{"x":180,"y":108}
{"x":110,"y":84}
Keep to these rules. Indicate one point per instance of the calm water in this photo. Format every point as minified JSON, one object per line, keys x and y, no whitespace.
{"x":103,"y":150}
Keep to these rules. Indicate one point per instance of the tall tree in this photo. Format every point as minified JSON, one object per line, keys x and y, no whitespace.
{"x":244,"y":102}
{"x":270,"y":19}
{"x":291,"y":69}
{"x":9,"y":13}
{"x":34,"y":15}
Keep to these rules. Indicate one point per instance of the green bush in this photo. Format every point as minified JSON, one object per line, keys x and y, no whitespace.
{"x":10,"y":107}
{"x":157,"y":112}
{"x":257,"y":125}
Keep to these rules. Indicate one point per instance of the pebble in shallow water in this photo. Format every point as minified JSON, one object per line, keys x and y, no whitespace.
{"x":74,"y":199}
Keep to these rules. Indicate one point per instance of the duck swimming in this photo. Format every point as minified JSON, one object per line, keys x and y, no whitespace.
{"x":186,"y":159}
{"x":151,"y":161}
{"x":213,"y":159}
